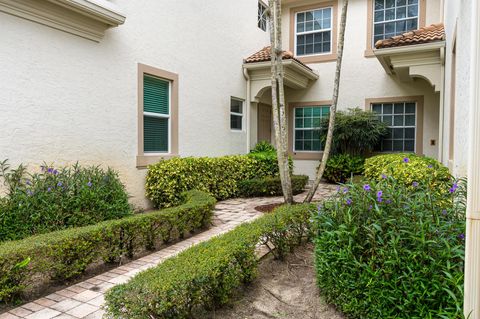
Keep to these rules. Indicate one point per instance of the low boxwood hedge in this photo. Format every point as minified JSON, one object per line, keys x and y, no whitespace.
{"x":270,"y":186}
{"x":66,"y":253}
{"x":206,"y":275}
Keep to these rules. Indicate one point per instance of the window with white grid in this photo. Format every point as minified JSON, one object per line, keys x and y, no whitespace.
{"x":394,"y":17}
{"x":400,"y":119}
{"x":313,"y":32}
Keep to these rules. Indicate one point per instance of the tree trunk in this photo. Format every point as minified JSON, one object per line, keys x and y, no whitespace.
{"x":278,"y":99}
{"x":333,"y":109}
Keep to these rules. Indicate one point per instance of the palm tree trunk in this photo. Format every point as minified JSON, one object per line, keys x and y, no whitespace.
{"x":278,"y":99}
{"x":333,"y":109}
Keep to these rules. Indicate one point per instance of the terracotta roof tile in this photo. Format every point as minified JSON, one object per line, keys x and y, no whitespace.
{"x":431,"y":33}
{"x":264,"y":55}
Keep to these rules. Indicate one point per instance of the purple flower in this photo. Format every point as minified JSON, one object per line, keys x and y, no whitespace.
{"x":348,"y":202}
{"x":461,"y":236}
{"x":366,"y":187}
{"x":59,"y":184}
{"x":29,"y":192}
{"x":49,"y":189}
{"x":444,"y":212}
{"x":345,"y":190}
{"x":370,"y":207}
{"x":338,"y":189}
{"x":89,"y":184}
{"x":379,"y":194}
{"x":415,"y":184}
{"x":50,"y":170}
{"x":430,"y":166}
{"x":43,"y":168}
{"x":406,"y":160}
{"x":28,"y":182}
{"x":384,"y":176}
{"x":388,"y":201}
{"x":453,"y":188}
{"x":379,"y":199}
{"x":55,"y":172}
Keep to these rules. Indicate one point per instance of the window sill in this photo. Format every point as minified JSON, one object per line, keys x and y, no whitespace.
{"x":85,"y":18}
{"x":306,"y":155}
{"x":144,"y":160}
{"x":317,"y":58}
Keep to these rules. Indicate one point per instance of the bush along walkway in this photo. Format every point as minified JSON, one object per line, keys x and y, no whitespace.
{"x":85,"y":299}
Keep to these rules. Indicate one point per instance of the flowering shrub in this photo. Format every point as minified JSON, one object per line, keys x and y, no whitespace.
{"x":388,"y":250}
{"x":58,"y":198}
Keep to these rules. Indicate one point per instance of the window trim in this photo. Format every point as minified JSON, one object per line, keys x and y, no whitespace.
{"x":295,"y":129}
{"x":261,"y":3}
{"x":419,"y":115}
{"x":296,"y":34}
{"x":320,"y":57}
{"x":146,"y":158}
{"x":302,"y":155}
{"x":370,"y":12}
{"x":242,"y":115}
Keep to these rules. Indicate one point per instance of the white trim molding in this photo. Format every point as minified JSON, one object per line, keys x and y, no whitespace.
{"x":85,"y":18}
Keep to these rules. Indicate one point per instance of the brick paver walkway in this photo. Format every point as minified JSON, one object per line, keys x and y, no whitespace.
{"x":85,"y":299}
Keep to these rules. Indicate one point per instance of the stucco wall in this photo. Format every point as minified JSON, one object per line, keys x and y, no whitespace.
{"x":458,"y":15}
{"x":67,"y":99}
{"x":363,"y":77}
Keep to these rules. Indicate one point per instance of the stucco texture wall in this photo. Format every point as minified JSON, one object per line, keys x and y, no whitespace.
{"x":458,"y":29}
{"x":66,"y":99}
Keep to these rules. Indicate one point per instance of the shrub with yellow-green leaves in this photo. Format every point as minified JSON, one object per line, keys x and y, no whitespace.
{"x":407,"y":169}
{"x":219,"y":176}
{"x":64,"y":254}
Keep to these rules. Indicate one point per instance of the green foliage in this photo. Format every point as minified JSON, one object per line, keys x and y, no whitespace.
{"x":266,"y":156}
{"x":270,"y":186}
{"x":67,"y":253}
{"x":356,"y":132}
{"x":207,"y":274}
{"x":55,"y":199}
{"x":342,"y":166}
{"x":385,"y":250}
{"x":263,"y":147}
{"x":219,"y":176}
{"x":409,"y":168}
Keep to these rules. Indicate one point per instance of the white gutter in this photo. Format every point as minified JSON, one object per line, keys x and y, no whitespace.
{"x":247,"y":108}
{"x":410,"y":48}
{"x":471,"y":307}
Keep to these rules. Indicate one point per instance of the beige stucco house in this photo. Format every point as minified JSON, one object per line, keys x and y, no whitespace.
{"x":127,"y":83}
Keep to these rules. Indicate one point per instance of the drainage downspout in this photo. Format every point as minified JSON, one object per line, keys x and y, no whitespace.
{"x":247,"y":108}
{"x":442,"y":108}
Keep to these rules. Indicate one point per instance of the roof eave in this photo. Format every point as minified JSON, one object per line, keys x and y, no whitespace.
{"x":297,"y":66}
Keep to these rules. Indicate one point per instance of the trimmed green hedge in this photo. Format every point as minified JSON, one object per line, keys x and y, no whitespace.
{"x":206,"y":275}
{"x":270,"y":186}
{"x":219,"y":176}
{"x":67,"y":253}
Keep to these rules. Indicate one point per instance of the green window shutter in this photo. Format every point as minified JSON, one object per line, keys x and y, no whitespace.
{"x":156,"y":95}
{"x":155,"y":134}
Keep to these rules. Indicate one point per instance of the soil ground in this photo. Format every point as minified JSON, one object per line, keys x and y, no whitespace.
{"x":283,"y":289}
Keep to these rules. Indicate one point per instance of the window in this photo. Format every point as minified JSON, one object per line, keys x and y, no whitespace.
{"x":156,"y":114}
{"x":236,"y":114}
{"x":262,"y":16}
{"x":394,"y":17}
{"x":307,"y":127}
{"x":313,"y":32}
{"x":401,"y":121}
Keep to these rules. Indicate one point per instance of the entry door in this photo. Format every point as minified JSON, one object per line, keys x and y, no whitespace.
{"x":264,"y":123}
